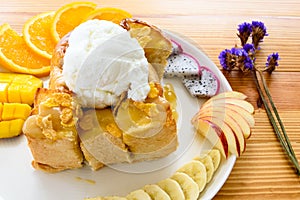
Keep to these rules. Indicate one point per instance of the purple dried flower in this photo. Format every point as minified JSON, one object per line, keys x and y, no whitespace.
{"x":244,"y":30}
{"x":243,"y":61}
{"x":227,"y":60}
{"x":272,"y":62}
{"x":248,"y":64}
{"x":249,"y":48}
{"x":236,"y":57}
{"x":259,"y":31}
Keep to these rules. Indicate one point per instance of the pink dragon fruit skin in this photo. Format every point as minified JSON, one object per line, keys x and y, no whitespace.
{"x":176,"y":48}
{"x":205,"y":85}
{"x":199,"y":80}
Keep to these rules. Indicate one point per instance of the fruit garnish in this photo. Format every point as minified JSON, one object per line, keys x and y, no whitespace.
{"x":209,"y":165}
{"x":68,"y":17}
{"x":12,"y":117}
{"x":115,"y":15}
{"x":226,"y":120}
{"x":199,"y":80}
{"x":138,"y":194}
{"x":18,"y":88}
{"x":172,"y":188}
{"x":155,"y":192}
{"x":16,"y":56}
{"x":186,"y":183}
{"x":37,"y":34}
{"x":197,"y":171}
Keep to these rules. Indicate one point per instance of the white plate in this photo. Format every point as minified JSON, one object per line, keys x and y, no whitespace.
{"x":18,"y":180}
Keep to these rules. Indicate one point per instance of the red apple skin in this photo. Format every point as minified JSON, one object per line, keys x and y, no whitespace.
{"x":208,"y":129}
{"x":236,"y":122}
{"x":232,"y":124}
{"x":233,"y":142}
{"x":245,"y":119}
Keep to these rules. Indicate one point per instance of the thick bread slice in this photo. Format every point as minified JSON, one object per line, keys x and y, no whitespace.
{"x":92,"y":161}
{"x":101,"y":141}
{"x":51,"y":132}
{"x":163,"y":152}
{"x":153,"y":129}
{"x":101,"y":137}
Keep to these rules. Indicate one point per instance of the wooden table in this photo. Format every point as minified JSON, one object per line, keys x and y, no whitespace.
{"x":263,"y":172}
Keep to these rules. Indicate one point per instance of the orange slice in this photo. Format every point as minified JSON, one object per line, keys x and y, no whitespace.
{"x":68,"y":17}
{"x":115,"y":15}
{"x":37,"y":34}
{"x":16,"y":56}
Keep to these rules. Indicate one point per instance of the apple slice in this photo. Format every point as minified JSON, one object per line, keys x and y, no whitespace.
{"x":236,"y":116}
{"x":226,"y":117}
{"x":245,"y":114}
{"x":233,"y":143}
{"x":229,"y":94}
{"x":213,"y":133}
{"x":231,"y":101}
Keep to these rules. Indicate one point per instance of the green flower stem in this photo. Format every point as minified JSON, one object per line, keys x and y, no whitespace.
{"x":283,"y":141}
{"x":276,"y":113}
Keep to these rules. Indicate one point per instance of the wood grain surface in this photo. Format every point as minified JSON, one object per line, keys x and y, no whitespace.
{"x":264,"y":171}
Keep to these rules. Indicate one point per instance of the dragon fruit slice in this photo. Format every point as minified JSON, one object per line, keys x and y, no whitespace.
{"x":205,"y":85}
{"x":199,"y":80}
{"x":181,"y":65}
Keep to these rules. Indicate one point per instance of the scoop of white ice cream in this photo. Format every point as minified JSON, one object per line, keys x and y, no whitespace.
{"x":102,"y":61}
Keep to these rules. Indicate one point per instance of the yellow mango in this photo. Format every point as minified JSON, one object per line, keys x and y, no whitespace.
{"x":12,"y":111}
{"x":1,"y":108}
{"x":12,"y":117}
{"x":18,"y":88}
{"x":3,"y":91}
{"x":11,"y":128}
{"x":13,"y":93}
{"x":17,"y":92}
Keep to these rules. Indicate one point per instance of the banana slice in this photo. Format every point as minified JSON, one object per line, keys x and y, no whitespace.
{"x":107,"y":198}
{"x":187,"y":184}
{"x":156,"y":193}
{"x":138,"y":195}
{"x":216,"y":157}
{"x":209,"y":165}
{"x":172,"y":188}
{"x":197,"y":171}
